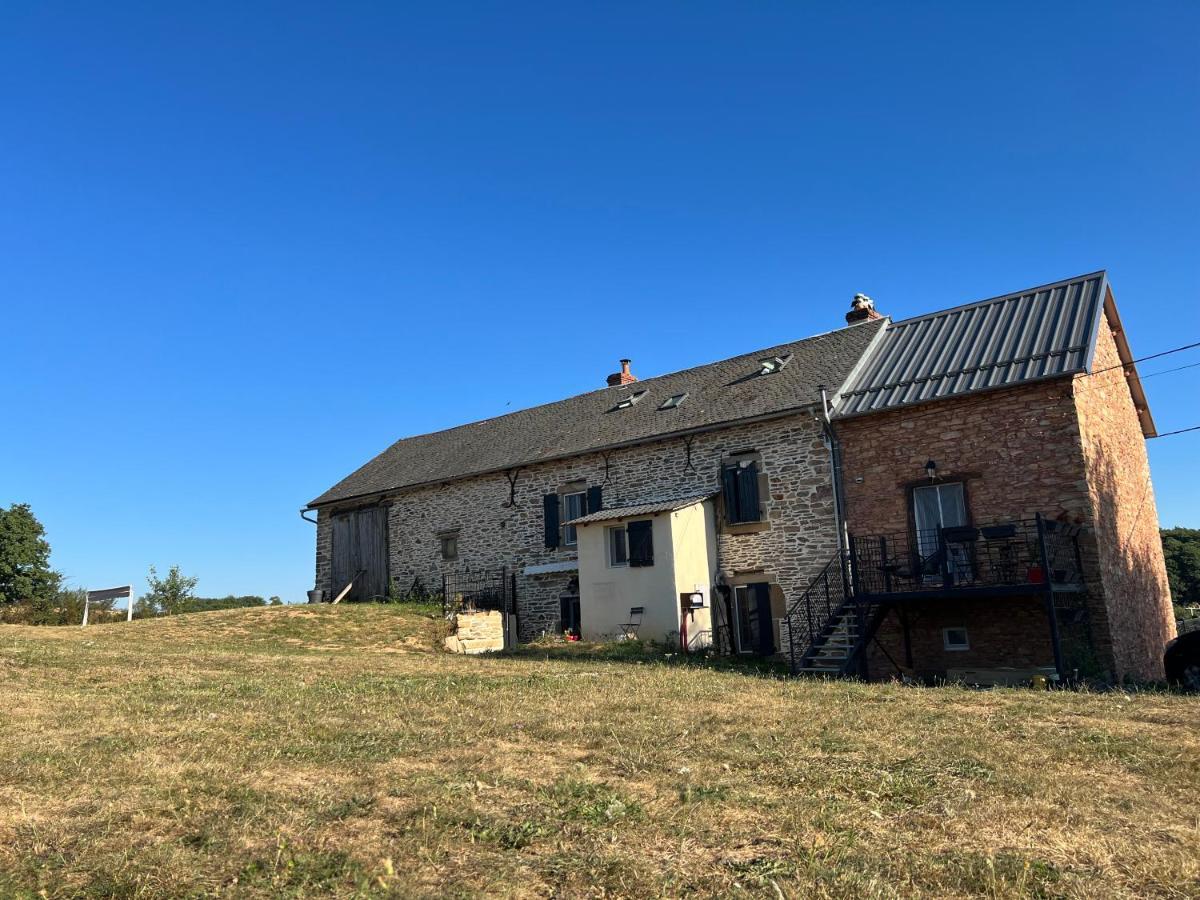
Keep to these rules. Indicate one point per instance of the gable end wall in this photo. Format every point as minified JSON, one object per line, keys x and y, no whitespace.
{"x":1131,"y":563}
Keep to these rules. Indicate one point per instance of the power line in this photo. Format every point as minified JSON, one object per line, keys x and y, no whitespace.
{"x":1169,"y":371}
{"x":1092,"y":387}
{"x":1180,"y":431}
{"x":1144,"y":358}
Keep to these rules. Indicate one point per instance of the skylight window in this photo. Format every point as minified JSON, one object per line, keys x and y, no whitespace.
{"x":626,"y":402}
{"x":773,"y":364}
{"x":673,"y":401}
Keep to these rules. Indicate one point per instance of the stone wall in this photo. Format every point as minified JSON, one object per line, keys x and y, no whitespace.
{"x":1132,"y":567}
{"x":1019,"y":452}
{"x":1003,"y":631}
{"x":1071,"y":449}
{"x":476,"y":632}
{"x":796,"y":540}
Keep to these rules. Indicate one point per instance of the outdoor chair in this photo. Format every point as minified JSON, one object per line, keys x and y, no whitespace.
{"x":629,"y":630}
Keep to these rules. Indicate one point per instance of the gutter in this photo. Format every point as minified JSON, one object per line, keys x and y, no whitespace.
{"x":702,"y":429}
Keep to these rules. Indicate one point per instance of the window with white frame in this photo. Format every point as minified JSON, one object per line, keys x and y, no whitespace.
{"x":955,"y":638}
{"x":573,"y":506}
{"x":618,"y":546}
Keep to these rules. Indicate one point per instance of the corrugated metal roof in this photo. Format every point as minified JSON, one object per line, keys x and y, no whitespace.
{"x":1043,"y":332}
{"x":642,"y":509}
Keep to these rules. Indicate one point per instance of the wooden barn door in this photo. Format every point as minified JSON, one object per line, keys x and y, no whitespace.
{"x":360,"y":545}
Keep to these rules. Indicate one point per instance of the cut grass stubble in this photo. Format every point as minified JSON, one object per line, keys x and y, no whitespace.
{"x":292,"y":752}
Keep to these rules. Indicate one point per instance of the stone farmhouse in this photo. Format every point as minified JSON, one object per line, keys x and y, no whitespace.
{"x":965,"y":494}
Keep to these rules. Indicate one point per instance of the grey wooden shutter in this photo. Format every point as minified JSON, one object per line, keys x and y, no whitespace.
{"x":550,"y":509}
{"x":747,"y":491}
{"x":641,"y":543}
{"x":595,"y":499}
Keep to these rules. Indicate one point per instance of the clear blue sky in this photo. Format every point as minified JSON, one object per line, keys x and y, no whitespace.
{"x":247,"y":246}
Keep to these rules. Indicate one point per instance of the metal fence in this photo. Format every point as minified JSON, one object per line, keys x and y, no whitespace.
{"x":478,"y":591}
{"x":1027,"y":552}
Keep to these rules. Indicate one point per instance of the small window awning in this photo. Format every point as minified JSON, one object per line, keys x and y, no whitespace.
{"x":642,"y":509}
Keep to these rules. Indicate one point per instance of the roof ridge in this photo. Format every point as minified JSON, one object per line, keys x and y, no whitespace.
{"x":633,"y":385}
{"x":1102,"y":273}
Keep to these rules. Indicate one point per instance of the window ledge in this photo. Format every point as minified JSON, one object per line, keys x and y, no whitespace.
{"x":746,"y":528}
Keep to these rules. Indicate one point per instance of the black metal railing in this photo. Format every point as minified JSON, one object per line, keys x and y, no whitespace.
{"x":477,"y":591}
{"x":823,"y":601}
{"x":1026,"y":553}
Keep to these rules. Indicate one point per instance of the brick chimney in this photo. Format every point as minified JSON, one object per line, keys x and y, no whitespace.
{"x":862,"y":309}
{"x":622,"y":377}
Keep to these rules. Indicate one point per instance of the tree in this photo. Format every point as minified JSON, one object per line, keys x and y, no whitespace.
{"x":167,"y":596}
{"x":1181,"y":547}
{"x":25,"y":572}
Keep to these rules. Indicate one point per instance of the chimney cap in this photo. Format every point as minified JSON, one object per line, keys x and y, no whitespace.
{"x":862,"y":309}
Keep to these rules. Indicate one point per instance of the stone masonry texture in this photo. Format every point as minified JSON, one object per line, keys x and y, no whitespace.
{"x":799,"y":539}
{"x":1132,"y":567}
{"x":1070,"y":449}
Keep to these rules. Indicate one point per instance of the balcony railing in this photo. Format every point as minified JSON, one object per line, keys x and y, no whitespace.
{"x":1018,"y":555}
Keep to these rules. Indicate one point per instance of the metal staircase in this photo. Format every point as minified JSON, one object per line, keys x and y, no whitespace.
{"x":826,"y":628}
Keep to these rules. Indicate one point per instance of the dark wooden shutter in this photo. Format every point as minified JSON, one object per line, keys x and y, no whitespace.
{"x":729,"y":486}
{"x":550,"y":509}
{"x":761,"y":597}
{"x":747,"y":491}
{"x":595,"y":499}
{"x":641,"y":543}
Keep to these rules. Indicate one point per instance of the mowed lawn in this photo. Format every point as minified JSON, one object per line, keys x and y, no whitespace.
{"x":335,"y":751}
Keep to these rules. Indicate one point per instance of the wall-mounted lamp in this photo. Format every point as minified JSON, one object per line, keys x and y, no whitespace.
{"x":931,"y":470}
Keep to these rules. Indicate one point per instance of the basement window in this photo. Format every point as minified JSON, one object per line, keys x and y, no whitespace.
{"x":626,"y":402}
{"x":773,"y":364}
{"x":955,"y":638}
{"x":673,"y":401}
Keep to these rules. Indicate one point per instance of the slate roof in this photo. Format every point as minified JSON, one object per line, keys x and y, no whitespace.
{"x":642,"y":509}
{"x":1043,"y":332}
{"x":721,"y":392}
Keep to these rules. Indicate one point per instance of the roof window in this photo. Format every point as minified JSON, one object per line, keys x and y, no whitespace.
{"x":773,"y":364}
{"x":626,"y":402}
{"x":673,"y":401}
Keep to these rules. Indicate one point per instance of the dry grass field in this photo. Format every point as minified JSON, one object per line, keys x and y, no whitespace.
{"x":302,"y":752}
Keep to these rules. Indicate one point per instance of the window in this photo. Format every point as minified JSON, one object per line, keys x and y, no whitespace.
{"x":626,"y":402}
{"x":773,"y":364}
{"x":574,"y":506}
{"x":938,"y":506}
{"x":640,"y":538}
{"x":618,"y":546}
{"x":673,"y":401}
{"x":569,"y":502}
{"x":955,"y":639}
{"x":739,"y":482}
{"x":449,"y":543}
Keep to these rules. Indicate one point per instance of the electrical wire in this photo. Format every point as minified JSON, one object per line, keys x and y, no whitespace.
{"x":1178,"y":431}
{"x":1144,"y":358}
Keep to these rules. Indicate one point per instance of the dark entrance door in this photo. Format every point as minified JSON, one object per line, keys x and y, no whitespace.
{"x":360,"y":553}
{"x":753,"y":632}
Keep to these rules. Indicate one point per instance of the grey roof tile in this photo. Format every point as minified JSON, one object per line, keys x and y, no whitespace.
{"x":721,"y":392}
